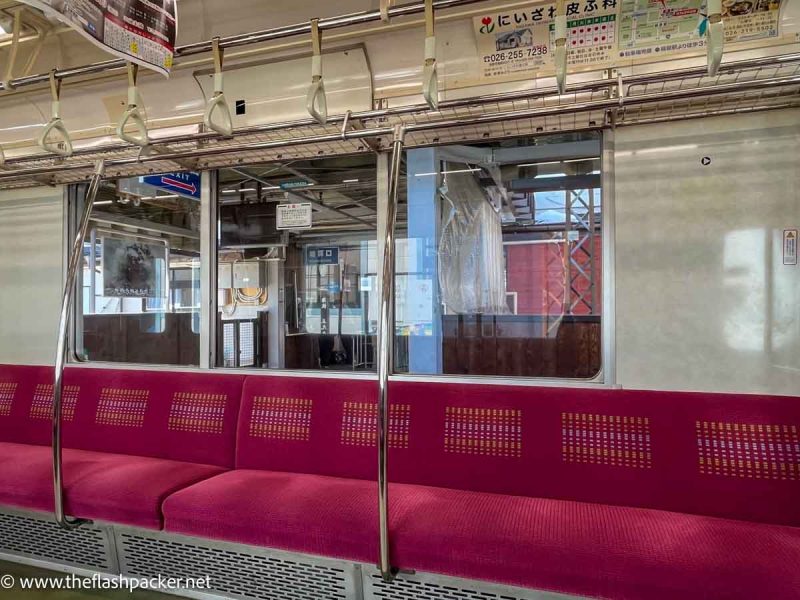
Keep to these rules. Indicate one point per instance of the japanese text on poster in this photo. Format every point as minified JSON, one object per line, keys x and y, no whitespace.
{"x":140,"y":31}
{"x":133,"y":269}
{"x":515,"y":43}
{"x":522,"y":40}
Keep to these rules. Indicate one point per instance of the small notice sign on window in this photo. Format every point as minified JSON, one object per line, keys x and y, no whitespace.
{"x":294,"y":216}
{"x":790,"y":246}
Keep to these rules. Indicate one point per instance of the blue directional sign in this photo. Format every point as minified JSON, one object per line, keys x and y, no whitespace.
{"x":185,"y":184}
{"x":322,"y":255}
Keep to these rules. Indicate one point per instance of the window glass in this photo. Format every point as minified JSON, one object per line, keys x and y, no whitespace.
{"x":499,"y":259}
{"x":301,"y":296}
{"x":140,"y":285}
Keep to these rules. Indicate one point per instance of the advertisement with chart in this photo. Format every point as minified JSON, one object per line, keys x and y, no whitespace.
{"x":140,"y":31}
{"x":655,"y":27}
{"x":521,"y":41}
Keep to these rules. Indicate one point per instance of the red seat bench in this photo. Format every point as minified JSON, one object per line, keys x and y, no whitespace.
{"x":594,"y":492}
{"x":131,"y":438}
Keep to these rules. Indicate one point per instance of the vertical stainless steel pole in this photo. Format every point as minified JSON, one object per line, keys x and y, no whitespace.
{"x":75,"y":261}
{"x":385,"y":343}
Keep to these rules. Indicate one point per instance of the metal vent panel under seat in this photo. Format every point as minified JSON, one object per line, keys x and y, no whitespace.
{"x":424,"y":586}
{"x":35,"y":536}
{"x":237,"y":571}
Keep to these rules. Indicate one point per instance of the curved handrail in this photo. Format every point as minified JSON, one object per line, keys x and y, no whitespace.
{"x":316,"y":101}
{"x":55,"y":124}
{"x":133,"y":114}
{"x":430,"y":75}
{"x":75,"y":258}
{"x":218,"y":102}
{"x":385,"y":342}
{"x":715,"y":36}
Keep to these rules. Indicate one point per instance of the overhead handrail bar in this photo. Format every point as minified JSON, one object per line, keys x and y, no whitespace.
{"x":532,"y":94}
{"x":133,"y":113}
{"x":316,"y":101}
{"x":55,"y":124}
{"x":218,"y":101}
{"x":715,"y":34}
{"x":561,"y":45}
{"x":12,"y":58}
{"x":483,"y":119}
{"x":385,"y":6}
{"x":257,"y":37}
{"x":385,"y":342}
{"x":430,"y":75}
{"x":67,"y":300}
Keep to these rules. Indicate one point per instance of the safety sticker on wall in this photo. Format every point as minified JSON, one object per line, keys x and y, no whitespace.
{"x":790,"y":246}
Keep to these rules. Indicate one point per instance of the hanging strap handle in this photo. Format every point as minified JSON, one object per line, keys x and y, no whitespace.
{"x":560,"y":31}
{"x":218,"y":102}
{"x":133,"y":114}
{"x":430,"y":76}
{"x":2,"y":158}
{"x":316,"y":101}
{"x":716,"y":36}
{"x":55,"y":124}
{"x":385,"y":6}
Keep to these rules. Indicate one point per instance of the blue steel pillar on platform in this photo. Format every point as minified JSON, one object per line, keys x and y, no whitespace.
{"x":422,"y":306}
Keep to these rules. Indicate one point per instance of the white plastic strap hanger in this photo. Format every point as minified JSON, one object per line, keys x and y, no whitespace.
{"x":561,"y":45}
{"x":715,"y":34}
{"x":430,"y":77}
{"x":133,"y":114}
{"x":64,"y":146}
{"x":385,"y":6}
{"x":316,"y":102}
{"x":218,"y":102}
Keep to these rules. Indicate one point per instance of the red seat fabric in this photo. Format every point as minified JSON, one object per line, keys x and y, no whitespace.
{"x":315,"y":514}
{"x":591,"y":550}
{"x":109,"y":487}
{"x":579,"y":548}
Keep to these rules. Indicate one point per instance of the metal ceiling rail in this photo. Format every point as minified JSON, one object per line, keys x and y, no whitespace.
{"x":435,"y":124}
{"x":445,"y":105}
{"x":247,"y":39}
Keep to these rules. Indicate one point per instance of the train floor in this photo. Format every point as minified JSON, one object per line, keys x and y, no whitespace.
{"x":20,"y":572}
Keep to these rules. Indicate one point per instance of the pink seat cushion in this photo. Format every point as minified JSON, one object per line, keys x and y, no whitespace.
{"x":591,"y":549}
{"x":108,"y":487}
{"x":315,"y":514}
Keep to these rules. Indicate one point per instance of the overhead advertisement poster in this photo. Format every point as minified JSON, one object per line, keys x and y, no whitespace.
{"x":133,"y":268}
{"x":751,"y":19}
{"x":520,"y":41}
{"x":514,"y":44}
{"x":649,"y":27}
{"x":140,"y":31}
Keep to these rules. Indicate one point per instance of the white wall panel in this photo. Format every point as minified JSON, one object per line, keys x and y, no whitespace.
{"x":31,"y":253}
{"x":703,"y":299}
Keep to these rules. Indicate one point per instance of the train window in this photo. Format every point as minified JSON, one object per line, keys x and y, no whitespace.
{"x":499,"y":259}
{"x":140,"y":289}
{"x":297,"y":261}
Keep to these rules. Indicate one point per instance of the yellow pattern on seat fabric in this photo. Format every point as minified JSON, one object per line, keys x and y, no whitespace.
{"x":613,"y":440}
{"x":281,"y":418}
{"x":197,"y":412}
{"x":42,"y":405}
{"x":360,"y":424}
{"x":122,"y":407}
{"x":7,"y":391}
{"x":748,"y":450}
{"x":485,"y":431}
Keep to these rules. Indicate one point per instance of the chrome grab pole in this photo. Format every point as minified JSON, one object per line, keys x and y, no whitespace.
{"x":385,"y":342}
{"x":75,"y":261}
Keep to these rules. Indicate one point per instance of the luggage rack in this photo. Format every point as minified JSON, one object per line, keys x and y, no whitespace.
{"x":741,"y":86}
